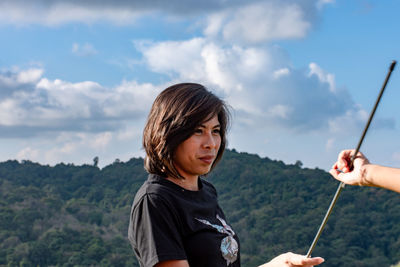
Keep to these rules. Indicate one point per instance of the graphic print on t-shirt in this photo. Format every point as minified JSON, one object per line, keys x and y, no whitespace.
{"x":229,"y":246}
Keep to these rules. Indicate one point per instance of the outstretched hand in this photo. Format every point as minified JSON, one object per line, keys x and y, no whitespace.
{"x":342,"y":172}
{"x":290,"y":259}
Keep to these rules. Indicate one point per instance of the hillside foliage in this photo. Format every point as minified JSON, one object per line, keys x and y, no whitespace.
{"x":67,"y":215}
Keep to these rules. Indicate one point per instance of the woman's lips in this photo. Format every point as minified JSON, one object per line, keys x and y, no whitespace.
{"x":207,"y":159}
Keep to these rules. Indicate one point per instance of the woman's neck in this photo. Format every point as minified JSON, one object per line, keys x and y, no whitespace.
{"x":191,"y":184}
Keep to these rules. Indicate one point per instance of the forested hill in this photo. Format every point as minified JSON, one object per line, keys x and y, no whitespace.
{"x":70,"y":215}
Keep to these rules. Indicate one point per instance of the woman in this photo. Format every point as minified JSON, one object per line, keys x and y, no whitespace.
{"x":175,"y":218}
{"x":364,"y":173}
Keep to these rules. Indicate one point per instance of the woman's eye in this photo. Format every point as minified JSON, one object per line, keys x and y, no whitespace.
{"x":198,"y":131}
{"x":217,"y":131}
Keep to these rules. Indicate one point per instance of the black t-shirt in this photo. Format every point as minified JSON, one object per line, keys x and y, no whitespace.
{"x":171,"y":223}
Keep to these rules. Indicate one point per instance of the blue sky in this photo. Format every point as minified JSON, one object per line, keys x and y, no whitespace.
{"x":77,"y":78}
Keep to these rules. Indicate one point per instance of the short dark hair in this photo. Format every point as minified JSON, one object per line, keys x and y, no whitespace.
{"x":176,"y":113}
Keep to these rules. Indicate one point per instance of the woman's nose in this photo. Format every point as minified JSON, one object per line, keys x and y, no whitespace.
{"x":210,"y":141}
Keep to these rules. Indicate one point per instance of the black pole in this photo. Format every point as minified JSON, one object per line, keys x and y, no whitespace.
{"x":341,"y":185}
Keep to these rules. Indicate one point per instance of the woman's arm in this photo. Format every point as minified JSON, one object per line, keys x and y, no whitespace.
{"x":290,"y":259}
{"x":173,"y":263}
{"x":381,"y":176}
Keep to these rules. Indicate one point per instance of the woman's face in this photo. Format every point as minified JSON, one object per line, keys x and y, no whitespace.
{"x":195,"y":155}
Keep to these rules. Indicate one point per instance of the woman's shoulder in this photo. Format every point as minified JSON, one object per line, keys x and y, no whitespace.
{"x":153,"y":187}
{"x":208,"y":186}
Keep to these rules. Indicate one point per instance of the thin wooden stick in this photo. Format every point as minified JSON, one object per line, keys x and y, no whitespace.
{"x":341,"y":185}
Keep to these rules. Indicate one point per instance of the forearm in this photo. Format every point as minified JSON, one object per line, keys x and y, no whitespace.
{"x":381,"y":176}
{"x":291,"y":259}
{"x":275,"y":264}
{"x":272,"y":264}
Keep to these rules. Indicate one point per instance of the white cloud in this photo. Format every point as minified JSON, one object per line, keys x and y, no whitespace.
{"x":56,"y":12}
{"x":280,"y":111}
{"x":330,"y":143}
{"x":252,"y":20}
{"x":28,"y":153}
{"x":68,"y":148}
{"x":215,"y":23}
{"x":323,"y":76}
{"x":200,"y":60}
{"x":130,"y":133}
{"x":78,"y":147}
{"x":101,"y":140}
{"x":57,"y":151}
{"x":265,"y":21}
{"x":130,"y":99}
{"x":37,"y":105}
{"x":15,"y":80}
{"x":10,"y":112}
{"x":281,"y":72}
{"x":351,"y":121}
{"x":60,"y":12}
{"x":83,"y":50}
{"x":261,"y":84}
{"x":29,"y":76}
{"x":321,"y":3}
{"x":171,"y":56}
{"x":257,"y":82}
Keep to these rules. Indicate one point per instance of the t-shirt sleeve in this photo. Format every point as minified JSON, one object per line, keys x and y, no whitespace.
{"x":154,"y":231}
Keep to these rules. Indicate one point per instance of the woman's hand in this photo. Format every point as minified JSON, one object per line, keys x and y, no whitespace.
{"x":365,"y":173}
{"x":342,"y":172}
{"x":290,"y":259}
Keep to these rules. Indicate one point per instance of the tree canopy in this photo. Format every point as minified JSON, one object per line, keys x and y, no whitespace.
{"x":67,"y":215}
